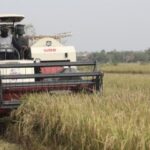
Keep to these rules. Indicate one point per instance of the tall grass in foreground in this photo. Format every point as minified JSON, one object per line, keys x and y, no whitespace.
{"x":8,"y":146}
{"x":118,"y":119}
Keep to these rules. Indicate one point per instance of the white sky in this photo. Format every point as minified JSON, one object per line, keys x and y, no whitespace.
{"x":95,"y":24}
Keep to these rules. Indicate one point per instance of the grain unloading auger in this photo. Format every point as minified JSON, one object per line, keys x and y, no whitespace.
{"x":53,"y":67}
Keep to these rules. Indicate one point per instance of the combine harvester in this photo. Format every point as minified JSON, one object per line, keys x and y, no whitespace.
{"x":53,"y":67}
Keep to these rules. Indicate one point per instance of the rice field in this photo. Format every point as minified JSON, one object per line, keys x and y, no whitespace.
{"x":117,"y":119}
{"x":8,"y":146}
{"x":132,"y":68}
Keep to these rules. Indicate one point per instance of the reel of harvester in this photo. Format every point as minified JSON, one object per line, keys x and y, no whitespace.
{"x":13,"y":84}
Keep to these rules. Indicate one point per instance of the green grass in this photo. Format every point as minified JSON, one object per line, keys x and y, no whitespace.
{"x":118,"y":119}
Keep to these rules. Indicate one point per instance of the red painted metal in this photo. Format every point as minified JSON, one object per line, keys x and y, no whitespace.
{"x":4,"y":112}
{"x":51,"y":70}
{"x":17,"y":92}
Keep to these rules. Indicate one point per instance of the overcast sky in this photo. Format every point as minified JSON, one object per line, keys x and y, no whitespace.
{"x":95,"y":24}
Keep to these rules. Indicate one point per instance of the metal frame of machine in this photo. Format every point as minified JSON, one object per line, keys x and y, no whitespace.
{"x":37,"y":81}
{"x":10,"y":93}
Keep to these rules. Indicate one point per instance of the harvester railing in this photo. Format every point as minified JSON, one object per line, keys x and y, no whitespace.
{"x":48,"y":64}
{"x":74,"y":81}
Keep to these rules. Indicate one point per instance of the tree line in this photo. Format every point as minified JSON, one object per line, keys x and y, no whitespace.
{"x":115,"y":56}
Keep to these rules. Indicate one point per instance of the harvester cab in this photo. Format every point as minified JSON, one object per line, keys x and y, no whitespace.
{"x":52,"y":67}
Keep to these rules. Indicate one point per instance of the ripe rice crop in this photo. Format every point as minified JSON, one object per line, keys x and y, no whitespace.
{"x":117,"y":119}
{"x":8,"y":146}
{"x":133,"y":68}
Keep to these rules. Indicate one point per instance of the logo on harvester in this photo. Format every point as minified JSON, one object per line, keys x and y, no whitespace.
{"x":48,"y":43}
{"x":50,"y":50}
{"x":14,"y":71}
